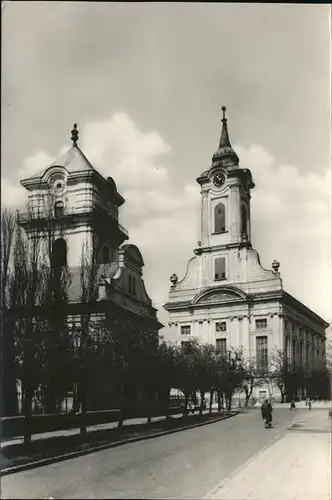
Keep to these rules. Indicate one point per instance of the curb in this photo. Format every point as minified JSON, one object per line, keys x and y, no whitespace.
{"x":115,"y":444}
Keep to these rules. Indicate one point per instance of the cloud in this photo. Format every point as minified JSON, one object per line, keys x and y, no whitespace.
{"x":122,"y":151}
{"x":12,"y":195}
{"x":34,"y":164}
{"x":290,"y":209}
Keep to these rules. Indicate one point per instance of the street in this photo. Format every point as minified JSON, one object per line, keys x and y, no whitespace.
{"x":188,"y":464}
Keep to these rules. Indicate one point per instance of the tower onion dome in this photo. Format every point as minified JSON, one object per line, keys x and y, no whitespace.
{"x":225,"y":156}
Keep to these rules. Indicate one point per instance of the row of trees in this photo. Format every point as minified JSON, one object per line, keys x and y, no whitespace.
{"x":50,"y":347}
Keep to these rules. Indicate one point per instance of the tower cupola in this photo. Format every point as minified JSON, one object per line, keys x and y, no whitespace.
{"x":225,"y":156}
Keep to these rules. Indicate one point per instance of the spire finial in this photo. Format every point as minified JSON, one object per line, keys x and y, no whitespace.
{"x":74,"y":135}
{"x":225,"y":154}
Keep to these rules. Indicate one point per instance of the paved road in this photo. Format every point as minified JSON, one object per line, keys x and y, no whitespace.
{"x":296,"y":466}
{"x":189,"y":464}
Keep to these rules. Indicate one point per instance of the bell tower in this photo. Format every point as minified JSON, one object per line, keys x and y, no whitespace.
{"x":79,"y":205}
{"x":225,"y":205}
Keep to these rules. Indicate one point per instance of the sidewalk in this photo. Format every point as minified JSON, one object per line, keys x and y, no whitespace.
{"x":91,"y":428}
{"x":295,"y":467}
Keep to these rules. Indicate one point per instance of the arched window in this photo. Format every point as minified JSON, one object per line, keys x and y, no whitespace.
{"x":59,"y":208}
{"x":219,"y":218}
{"x":243,"y":220}
{"x":59,"y":253}
{"x":105,"y":255}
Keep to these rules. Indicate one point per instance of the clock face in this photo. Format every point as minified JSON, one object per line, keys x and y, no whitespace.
{"x":219,"y":179}
{"x":59,"y":186}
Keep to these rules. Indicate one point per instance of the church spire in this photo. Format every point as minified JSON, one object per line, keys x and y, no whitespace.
{"x":225,"y":156}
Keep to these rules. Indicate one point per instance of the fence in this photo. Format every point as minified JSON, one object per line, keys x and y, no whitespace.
{"x":14,"y":426}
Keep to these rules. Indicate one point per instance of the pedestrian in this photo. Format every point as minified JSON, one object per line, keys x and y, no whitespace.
{"x":266,"y":410}
{"x":309,"y":404}
{"x":292,"y":405}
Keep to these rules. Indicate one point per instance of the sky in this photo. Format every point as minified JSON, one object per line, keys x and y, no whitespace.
{"x":145,"y":83}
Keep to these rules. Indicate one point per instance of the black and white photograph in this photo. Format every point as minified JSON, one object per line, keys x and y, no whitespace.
{"x":166,"y":250}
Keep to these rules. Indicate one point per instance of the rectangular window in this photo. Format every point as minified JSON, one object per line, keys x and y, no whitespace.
{"x":221,"y":326}
{"x":185,"y":329}
{"x":261,"y":353}
{"x":301,"y":354}
{"x":220,"y":269}
{"x":221,"y":346}
{"x":293,"y":351}
{"x":261,"y":324}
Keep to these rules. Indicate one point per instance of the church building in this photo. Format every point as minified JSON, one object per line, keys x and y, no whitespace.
{"x":82,"y":207}
{"x":226,"y":297}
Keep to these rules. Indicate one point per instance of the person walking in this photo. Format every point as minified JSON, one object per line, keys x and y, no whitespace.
{"x":266,"y":410}
{"x":292,"y":405}
{"x":309,"y":404}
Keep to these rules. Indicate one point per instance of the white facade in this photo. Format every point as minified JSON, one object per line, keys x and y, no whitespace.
{"x":226,"y":297}
{"x":73,"y":211}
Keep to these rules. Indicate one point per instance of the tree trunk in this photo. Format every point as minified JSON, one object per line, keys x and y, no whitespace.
{"x":83,"y":414}
{"x":211,"y":400}
{"x":186,"y":401}
{"x":149,"y":408}
{"x":202,"y":403}
{"x":282,"y":396}
{"x":229,"y":402}
{"x":27,"y":416}
{"x":167,"y":404}
{"x":8,"y":396}
{"x":121,"y":416}
{"x":219,"y":401}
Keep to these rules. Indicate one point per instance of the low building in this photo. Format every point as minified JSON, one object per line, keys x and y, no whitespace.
{"x":226,"y":297}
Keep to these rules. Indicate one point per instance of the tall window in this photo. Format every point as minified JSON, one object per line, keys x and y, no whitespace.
{"x":132,"y":284}
{"x":293,"y":351}
{"x":286,"y":347}
{"x":220,"y":269}
{"x":219,"y":218}
{"x":243,"y":220}
{"x":105,"y":255}
{"x":301,"y":354}
{"x":261,"y":324}
{"x":221,"y":346}
{"x":185,"y":329}
{"x":261,"y":353}
{"x":59,"y":208}
{"x":59,"y":253}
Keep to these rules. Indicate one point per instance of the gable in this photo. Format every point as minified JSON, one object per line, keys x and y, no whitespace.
{"x":219,"y":294}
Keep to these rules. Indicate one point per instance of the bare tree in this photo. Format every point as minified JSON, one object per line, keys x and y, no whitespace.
{"x":9,"y":290}
{"x":30,"y":282}
{"x":252,"y":379}
{"x":89,"y":293}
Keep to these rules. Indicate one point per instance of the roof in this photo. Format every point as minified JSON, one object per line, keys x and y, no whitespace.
{"x":73,"y":160}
